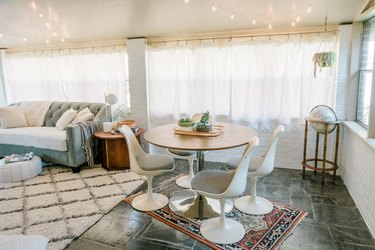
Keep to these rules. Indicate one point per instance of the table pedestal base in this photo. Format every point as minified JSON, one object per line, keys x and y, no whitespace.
{"x":189,"y":204}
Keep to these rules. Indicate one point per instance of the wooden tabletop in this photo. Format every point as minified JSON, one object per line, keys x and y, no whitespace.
{"x":233,"y":136}
{"x":109,"y":136}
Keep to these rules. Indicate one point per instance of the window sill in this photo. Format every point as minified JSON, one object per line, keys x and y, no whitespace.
{"x":360,"y":132}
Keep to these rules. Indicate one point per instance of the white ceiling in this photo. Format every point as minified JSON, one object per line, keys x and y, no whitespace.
{"x":84,"y":21}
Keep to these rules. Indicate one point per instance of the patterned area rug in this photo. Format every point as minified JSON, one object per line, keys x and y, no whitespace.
{"x":262,"y":231}
{"x":61,"y":205}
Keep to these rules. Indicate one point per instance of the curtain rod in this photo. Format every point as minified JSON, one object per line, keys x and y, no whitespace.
{"x":69,"y":47}
{"x":155,"y":40}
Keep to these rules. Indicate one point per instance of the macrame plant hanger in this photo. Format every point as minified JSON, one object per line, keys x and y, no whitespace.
{"x":325,"y":57}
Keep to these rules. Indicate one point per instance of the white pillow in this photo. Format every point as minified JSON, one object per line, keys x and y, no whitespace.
{"x":65,"y":119}
{"x":83,"y":115}
{"x":23,"y":242}
{"x":12,"y":117}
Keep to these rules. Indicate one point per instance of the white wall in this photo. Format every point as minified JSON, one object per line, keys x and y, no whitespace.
{"x":357,"y":162}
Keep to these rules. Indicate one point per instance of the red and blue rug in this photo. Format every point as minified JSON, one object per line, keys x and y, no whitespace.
{"x":262,"y":231}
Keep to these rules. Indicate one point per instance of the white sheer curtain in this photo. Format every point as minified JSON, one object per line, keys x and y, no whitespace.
{"x":67,"y":74}
{"x":256,"y":82}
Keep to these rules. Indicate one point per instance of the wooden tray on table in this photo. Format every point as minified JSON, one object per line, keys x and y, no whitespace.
{"x":216,"y":131}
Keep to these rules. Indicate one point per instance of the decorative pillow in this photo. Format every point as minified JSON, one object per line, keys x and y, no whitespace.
{"x":83,"y":115}
{"x":65,"y":119}
{"x":24,"y":242}
{"x":12,"y":117}
{"x":35,"y":112}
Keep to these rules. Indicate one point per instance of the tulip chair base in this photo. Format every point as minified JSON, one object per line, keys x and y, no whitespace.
{"x":146,"y":203}
{"x":258,"y":206}
{"x":228,"y":232}
{"x":184,"y":181}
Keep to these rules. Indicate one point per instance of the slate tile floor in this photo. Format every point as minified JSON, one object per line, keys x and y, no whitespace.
{"x":334,"y":221}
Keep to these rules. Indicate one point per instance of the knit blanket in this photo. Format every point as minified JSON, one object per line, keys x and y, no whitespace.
{"x":88,"y":129}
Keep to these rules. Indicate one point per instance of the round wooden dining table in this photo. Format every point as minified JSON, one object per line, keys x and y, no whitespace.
{"x":186,"y":201}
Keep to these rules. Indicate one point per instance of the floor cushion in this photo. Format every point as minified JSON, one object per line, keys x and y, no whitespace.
{"x":21,"y":170}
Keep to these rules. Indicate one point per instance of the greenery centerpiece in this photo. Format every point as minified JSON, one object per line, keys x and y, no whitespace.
{"x":186,"y":124}
{"x":204,"y":124}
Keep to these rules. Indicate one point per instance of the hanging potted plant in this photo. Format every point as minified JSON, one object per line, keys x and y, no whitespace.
{"x":323,"y":59}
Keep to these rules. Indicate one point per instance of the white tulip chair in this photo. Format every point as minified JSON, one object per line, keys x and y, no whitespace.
{"x":223,"y":185}
{"x":148,"y":165}
{"x":259,"y":166}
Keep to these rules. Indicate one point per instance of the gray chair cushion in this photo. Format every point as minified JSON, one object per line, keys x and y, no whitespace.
{"x":255,"y":162}
{"x":181,"y":152}
{"x":212,"y":181}
{"x":153,"y":162}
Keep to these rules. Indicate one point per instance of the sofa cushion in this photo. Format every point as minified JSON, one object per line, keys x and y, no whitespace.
{"x":39,"y":137}
{"x":12,"y":117}
{"x":66,"y":118}
{"x":35,"y":111}
{"x":83,"y":115}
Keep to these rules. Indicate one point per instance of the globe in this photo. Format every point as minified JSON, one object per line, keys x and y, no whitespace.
{"x":322,"y":113}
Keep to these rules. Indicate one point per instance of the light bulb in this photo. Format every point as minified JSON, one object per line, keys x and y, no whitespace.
{"x":40,"y":15}
{"x":47,"y":24}
{"x":298,"y":18}
{"x":62,"y":40}
{"x":24,"y":39}
{"x":1,"y":35}
{"x":270,"y":26}
{"x":254,"y":21}
{"x":186,"y":1}
{"x":47,"y":41}
{"x":309,"y":8}
{"x":213,"y":7}
{"x":54,"y":33}
{"x":293,"y":24}
{"x":232,"y":16}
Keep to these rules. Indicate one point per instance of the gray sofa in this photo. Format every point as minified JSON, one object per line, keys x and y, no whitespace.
{"x":72,"y":154}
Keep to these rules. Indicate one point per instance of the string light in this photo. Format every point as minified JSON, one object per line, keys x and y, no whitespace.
{"x":62,"y":40}
{"x":40,"y":15}
{"x":186,"y":1}
{"x":232,"y":16}
{"x":213,"y":7}
{"x":47,"y":24}
{"x":1,"y":35}
{"x":309,"y":8}
{"x":24,"y":39}
{"x":270,"y":26}
{"x":47,"y":41}
{"x":254,"y":21}
{"x":293,"y":24}
{"x":298,"y":18}
{"x":54,"y":33}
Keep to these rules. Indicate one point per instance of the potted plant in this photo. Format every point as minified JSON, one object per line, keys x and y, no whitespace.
{"x":323,"y":59}
{"x":204,"y":125}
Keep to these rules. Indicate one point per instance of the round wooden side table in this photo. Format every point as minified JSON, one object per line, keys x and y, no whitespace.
{"x":323,"y":168}
{"x":114,"y":150}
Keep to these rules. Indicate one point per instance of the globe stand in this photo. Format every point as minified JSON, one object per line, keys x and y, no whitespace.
{"x":323,"y":169}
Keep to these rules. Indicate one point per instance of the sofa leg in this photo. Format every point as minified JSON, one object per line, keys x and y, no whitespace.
{"x":76,"y":170}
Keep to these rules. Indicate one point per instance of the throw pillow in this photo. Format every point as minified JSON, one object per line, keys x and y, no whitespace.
{"x":24,"y":242}
{"x":12,"y":117}
{"x":65,"y":119}
{"x":35,"y":111}
{"x":83,"y":115}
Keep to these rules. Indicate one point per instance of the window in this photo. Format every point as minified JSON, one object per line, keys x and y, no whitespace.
{"x":366,"y":72}
{"x":257,"y":82}
{"x":82,"y":75}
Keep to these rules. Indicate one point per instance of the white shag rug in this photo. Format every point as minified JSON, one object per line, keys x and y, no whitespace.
{"x":61,"y":205}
